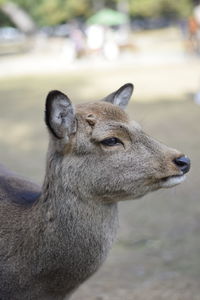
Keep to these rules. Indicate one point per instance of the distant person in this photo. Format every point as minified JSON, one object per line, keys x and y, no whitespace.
{"x":110,"y":47}
{"x":197,"y":14}
{"x":95,"y":37}
{"x":194,"y":30}
{"x":78,"y":38}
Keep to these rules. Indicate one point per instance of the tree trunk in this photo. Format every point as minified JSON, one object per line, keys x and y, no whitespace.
{"x":19,"y":17}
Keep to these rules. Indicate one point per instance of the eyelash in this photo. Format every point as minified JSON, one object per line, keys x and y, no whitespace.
{"x":110,"y":142}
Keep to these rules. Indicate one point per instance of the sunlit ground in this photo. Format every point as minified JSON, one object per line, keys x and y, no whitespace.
{"x":157,"y":254}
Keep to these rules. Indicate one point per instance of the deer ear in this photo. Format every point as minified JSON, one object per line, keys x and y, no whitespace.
{"x":122,"y":96}
{"x":60,"y":115}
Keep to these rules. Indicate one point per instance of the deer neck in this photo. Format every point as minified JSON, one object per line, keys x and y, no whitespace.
{"x":79,"y":231}
{"x":64,"y":207}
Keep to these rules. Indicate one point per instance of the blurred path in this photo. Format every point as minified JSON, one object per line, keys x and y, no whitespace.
{"x":159,"y":48}
{"x":35,"y":63}
{"x":164,"y":76}
{"x":159,"y":62}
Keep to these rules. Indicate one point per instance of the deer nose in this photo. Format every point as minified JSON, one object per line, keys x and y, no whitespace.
{"x":183,"y":163}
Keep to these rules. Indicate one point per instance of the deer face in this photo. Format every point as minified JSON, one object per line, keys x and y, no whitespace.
{"x":109,"y":157}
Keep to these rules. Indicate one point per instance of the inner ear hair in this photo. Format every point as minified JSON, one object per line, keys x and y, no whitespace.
{"x":121,"y":97}
{"x":60,"y":115}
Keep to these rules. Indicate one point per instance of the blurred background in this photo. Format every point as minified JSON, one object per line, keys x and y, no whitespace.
{"x":88,"y":49}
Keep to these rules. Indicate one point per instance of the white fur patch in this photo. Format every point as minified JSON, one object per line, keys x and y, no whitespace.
{"x":136,"y":125}
{"x":172,"y":181}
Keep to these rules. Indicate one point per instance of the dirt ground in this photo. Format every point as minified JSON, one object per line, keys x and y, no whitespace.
{"x":157,"y":254}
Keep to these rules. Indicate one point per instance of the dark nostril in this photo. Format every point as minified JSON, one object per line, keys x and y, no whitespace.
{"x":183,"y":163}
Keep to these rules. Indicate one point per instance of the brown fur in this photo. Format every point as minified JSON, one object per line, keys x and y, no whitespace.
{"x":54,"y":238}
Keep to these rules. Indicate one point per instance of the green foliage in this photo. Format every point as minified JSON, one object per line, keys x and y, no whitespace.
{"x":51,"y":12}
{"x":4,"y":20}
{"x":156,"y":8}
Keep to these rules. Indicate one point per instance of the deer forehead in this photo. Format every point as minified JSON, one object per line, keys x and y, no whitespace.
{"x":102,"y":111}
{"x":109,"y":120}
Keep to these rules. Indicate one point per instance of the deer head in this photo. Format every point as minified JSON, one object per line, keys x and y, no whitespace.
{"x":104,"y":155}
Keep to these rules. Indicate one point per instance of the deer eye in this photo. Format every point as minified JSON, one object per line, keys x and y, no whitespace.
{"x":111,"y":142}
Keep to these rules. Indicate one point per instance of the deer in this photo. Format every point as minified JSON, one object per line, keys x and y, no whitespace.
{"x":54,"y":237}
